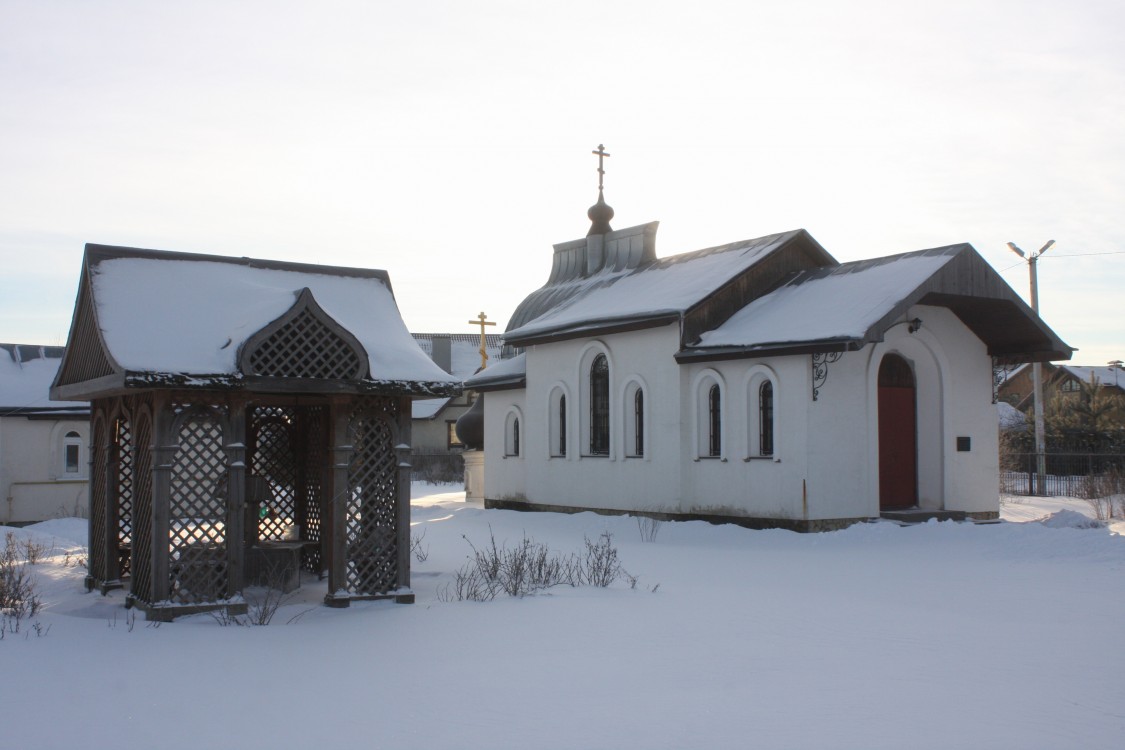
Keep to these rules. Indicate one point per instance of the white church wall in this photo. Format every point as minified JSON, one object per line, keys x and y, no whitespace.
{"x":504,"y":475}
{"x":741,"y":481}
{"x":621,"y":479}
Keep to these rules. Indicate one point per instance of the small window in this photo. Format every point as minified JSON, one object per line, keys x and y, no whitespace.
{"x":452,"y":441}
{"x":562,"y":425}
{"x":512,"y":434}
{"x":72,"y":451}
{"x":599,"y":406}
{"x":639,"y":423}
{"x":765,"y":419}
{"x":714,"y":422}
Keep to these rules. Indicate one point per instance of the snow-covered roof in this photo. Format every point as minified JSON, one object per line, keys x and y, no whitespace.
{"x":828,"y":303}
{"x":658,"y":289}
{"x":505,"y":373}
{"x":1010,"y":417}
{"x":835,"y":308}
{"x":464,"y":350}
{"x":26,"y":374}
{"x":190,"y":315}
{"x":1107,"y":376}
{"x":427,"y":408}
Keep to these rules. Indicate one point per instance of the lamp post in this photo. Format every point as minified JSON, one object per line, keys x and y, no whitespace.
{"x":1036,"y":368}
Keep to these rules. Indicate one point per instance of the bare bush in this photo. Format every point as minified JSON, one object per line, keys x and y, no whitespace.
{"x":648,"y":528}
{"x":531,"y":566}
{"x":420,"y":553}
{"x":1105,"y":493}
{"x":18,"y":597}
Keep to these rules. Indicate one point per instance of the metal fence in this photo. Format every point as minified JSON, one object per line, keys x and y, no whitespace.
{"x":1085,"y":475}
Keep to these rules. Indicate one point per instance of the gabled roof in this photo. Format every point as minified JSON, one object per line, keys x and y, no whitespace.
{"x":853,"y":304}
{"x":642,"y":290}
{"x":148,"y":318}
{"x":26,"y":373}
{"x":1107,"y":377}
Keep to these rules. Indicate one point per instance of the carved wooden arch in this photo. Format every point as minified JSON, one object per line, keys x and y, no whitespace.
{"x":305,"y":342}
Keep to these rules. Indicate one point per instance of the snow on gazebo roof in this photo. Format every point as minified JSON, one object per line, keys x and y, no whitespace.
{"x":156,"y":314}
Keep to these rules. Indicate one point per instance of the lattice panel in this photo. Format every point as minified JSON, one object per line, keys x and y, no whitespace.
{"x":99,"y":554}
{"x":141,"y":557}
{"x":314,"y":425}
{"x":123,"y":437}
{"x":273,"y":439}
{"x":372,"y":549}
{"x":306,"y":347}
{"x":198,"y":513}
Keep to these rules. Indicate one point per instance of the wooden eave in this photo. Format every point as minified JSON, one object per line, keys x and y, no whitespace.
{"x":85,"y":344}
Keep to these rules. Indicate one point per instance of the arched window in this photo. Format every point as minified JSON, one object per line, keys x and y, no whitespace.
{"x":714,"y":422}
{"x":639,"y":423}
{"x":72,"y":451}
{"x":512,"y":434}
{"x":562,"y":425}
{"x":765,"y":419}
{"x":599,"y":406}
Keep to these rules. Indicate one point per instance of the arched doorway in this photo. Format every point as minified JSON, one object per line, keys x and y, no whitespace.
{"x":898,"y":438}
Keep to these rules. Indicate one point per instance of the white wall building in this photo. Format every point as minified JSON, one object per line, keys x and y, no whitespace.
{"x":760,"y":382}
{"x":44,"y":462}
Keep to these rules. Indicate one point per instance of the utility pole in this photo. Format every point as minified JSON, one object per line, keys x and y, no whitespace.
{"x":1037,"y":371}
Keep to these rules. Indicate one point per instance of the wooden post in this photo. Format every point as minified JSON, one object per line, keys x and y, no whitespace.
{"x":235,"y":432}
{"x":402,"y":502}
{"x":336,"y":525}
{"x":165,"y":445}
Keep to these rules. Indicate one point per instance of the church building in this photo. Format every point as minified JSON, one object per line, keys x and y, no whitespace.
{"x":760,"y":382}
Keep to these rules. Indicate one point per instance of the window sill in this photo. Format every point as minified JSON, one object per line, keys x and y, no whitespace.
{"x":773,"y":459}
{"x":720,"y":459}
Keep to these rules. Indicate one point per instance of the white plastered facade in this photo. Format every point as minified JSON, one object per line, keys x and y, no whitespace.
{"x":824,"y":463}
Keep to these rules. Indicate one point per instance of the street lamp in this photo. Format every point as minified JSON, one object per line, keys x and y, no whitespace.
{"x":1036,"y":368}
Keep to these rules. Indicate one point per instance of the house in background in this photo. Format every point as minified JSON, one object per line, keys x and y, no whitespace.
{"x":760,"y":382}
{"x":436,"y":449}
{"x":1061,"y":380}
{"x":44,"y":462}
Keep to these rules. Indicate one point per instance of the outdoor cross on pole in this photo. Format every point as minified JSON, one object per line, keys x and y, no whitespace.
{"x":601,"y":154}
{"x":482,"y":321}
{"x":1036,"y":368}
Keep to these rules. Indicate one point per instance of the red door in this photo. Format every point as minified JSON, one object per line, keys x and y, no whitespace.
{"x":898,"y":446}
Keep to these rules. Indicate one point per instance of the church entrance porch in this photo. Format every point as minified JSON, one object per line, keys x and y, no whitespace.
{"x":898,"y":446}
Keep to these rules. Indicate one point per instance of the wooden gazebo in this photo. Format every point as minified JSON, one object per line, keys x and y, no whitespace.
{"x":248,"y":418}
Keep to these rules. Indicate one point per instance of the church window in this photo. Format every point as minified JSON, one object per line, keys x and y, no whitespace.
{"x":639,"y":423}
{"x":451,"y":439}
{"x":714,"y":422}
{"x":512,"y":434}
{"x":765,"y":419}
{"x":562,"y":425}
{"x":599,"y":406}
{"x":72,"y":448}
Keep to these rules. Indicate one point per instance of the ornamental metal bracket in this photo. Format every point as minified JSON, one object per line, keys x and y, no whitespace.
{"x":820,"y":362}
{"x":1000,"y":374}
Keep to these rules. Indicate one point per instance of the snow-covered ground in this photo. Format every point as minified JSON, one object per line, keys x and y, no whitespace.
{"x":941,"y":635}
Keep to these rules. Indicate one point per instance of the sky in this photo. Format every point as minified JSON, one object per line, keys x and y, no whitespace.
{"x":450,"y":142}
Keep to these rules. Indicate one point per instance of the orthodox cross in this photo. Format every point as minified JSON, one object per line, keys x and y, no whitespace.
{"x":482,"y":321}
{"x":601,"y":153}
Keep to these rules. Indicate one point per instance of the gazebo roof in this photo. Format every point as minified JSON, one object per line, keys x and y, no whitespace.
{"x":151,"y":319}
